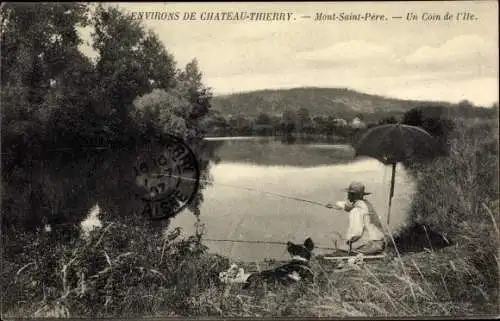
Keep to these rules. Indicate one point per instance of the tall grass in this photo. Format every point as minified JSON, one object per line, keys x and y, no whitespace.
{"x":457,"y":195}
{"x":451,"y":190}
{"x":115,"y":271}
{"x":124,"y":271}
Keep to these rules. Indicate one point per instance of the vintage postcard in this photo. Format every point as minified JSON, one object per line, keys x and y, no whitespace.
{"x":260,"y":160}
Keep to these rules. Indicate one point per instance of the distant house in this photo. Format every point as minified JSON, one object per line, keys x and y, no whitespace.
{"x":339,"y":122}
{"x":357,"y":123}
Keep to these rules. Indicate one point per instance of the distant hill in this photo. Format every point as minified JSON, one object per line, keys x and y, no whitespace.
{"x":339,"y":102}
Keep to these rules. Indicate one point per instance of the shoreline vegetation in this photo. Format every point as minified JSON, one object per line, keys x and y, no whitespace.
{"x":449,"y":264}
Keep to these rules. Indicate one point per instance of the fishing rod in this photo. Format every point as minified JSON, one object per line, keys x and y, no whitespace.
{"x":259,"y":191}
{"x":260,"y":242}
{"x":250,"y":189}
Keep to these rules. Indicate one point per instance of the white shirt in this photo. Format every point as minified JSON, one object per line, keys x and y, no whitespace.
{"x":361,"y":223}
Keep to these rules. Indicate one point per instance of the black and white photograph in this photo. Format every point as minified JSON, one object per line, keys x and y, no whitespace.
{"x":262,"y":160}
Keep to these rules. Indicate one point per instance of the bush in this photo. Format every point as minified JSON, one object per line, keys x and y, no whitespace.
{"x":434,"y":120}
{"x":113,"y":271}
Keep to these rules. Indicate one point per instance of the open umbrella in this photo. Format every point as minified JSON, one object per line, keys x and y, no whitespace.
{"x":393,"y":143}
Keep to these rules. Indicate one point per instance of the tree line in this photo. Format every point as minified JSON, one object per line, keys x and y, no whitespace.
{"x":68,"y":120}
{"x":54,"y":96}
{"x":303,"y":122}
{"x":290,"y":123}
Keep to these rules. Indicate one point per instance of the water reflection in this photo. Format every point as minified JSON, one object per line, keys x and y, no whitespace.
{"x":59,"y":190}
{"x":271,"y":151}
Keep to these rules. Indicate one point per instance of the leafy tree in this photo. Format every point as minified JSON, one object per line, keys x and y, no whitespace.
{"x":288,"y":121}
{"x":131,"y":63}
{"x":53,"y":96}
{"x":161,"y":112}
{"x":39,"y":51}
{"x":216,"y":123}
{"x":388,"y":120}
{"x":38,"y":42}
{"x":240,"y":125}
{"x":190,"y":80}
{"x":263,"y":119}
{"x":465,"y":103}
{"x":70,"y":104}
{"x":303,"y":118}
{"x":433,"y":119}
{"x":288,"y":116}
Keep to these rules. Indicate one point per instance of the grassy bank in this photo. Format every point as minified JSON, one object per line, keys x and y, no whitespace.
{"x":116,"y":271}
{"x":457,"y":195}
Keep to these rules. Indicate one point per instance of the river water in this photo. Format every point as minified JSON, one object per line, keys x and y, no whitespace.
{"x":239,"y":204}
{"x":245,"y":171}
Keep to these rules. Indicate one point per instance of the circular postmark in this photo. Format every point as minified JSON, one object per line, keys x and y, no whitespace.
{"x":168,"y":178}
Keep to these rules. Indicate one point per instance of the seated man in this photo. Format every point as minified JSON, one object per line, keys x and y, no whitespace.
{"x":365,"y":233}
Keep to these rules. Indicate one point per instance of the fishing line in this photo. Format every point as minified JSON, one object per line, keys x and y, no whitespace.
{"x":248,"y":189}
{"x":253,"y":190}
{"x":260,"y":242}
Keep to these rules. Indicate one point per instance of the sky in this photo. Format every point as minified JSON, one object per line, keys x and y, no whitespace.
{"x":428,"y":60}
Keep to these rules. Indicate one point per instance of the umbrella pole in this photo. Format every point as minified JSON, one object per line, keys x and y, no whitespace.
{"x":391,"y":193}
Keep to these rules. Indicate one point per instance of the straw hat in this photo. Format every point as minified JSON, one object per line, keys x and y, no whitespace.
{"x":357,"y":188}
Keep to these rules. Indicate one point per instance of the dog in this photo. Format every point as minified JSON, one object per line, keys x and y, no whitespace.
{"x":297,"y":270}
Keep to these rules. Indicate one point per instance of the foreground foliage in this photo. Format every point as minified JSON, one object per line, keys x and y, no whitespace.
{"x":113,"y":270}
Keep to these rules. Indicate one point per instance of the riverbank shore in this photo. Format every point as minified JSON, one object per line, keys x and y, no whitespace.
{"x":116,"y":271}
{"x":154,"y":278}
{"x":430,"y":283}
